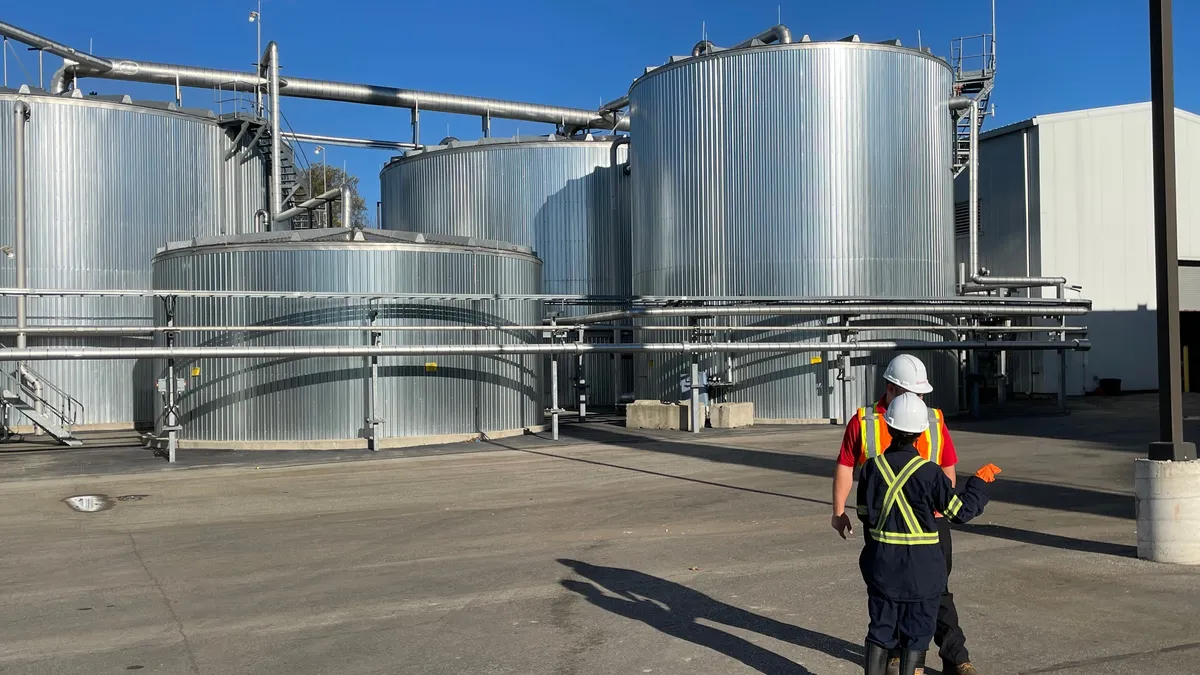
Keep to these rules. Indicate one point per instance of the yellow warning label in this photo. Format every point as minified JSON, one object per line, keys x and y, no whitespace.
{"x":195,"y":371}
{"x":431,"y":366}
{"x":814,"y":360}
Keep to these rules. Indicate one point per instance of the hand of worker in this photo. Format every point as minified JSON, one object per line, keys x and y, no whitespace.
{"x":842,"y":524}
{"x":987,"y":473}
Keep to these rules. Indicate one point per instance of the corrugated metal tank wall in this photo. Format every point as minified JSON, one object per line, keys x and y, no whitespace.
{"x":107,"y":183}
{"x":809,"y":169}
{"x":252,"y":402}
{"x":563,"y":198}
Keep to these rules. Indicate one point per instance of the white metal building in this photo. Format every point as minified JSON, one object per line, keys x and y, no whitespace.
{"x":1070,"y":194}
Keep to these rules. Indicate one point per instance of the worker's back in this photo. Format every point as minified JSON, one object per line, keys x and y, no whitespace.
{"x":898,"y":493}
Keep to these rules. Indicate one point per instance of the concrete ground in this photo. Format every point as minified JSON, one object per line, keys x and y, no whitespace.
{"x":609,"y":552}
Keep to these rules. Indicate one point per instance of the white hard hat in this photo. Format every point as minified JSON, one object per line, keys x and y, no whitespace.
{"x":907,"y":372}
{"x":907,"y":413}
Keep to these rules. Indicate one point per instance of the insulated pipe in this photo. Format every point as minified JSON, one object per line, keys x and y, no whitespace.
{"x":262,"y":221}
{"x":1057,"y":309}
{"x":323,"y":198}
{"x":973,"y":181}
{"x":20,"y":116}
{"x":1009,"y":282}
{"x":131,"y":331}
{"x":616,"y":104}
{"x":369,"y":143}
{"x":46,"y":44}
{"x":778,"y":33}
{"x":347,"y":197}
{"x":272,"y":59}
{"x":119,"y":353}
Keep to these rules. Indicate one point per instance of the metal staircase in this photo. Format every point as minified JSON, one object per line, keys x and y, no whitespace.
{"x":47,"y":406}
{"x":257,"y":131}
{"x":973,"y":59}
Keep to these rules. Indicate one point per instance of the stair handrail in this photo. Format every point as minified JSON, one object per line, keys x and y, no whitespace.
{"x":68,"y":410}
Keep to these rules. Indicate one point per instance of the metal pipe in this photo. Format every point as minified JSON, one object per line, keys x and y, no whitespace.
{"x":131,"y":331}
{"x":486,"y":124}
{"x":986,"y":283}
{"x":347,"y":197}
{"x":67,"y":53}
{"x":416,"y":123}
{"x":262,"y":221}
{"x":1023,"y":309}
{"x":695,"y":405}
{"x":119,"y":353}
{"x":82,"y":64}
{"x":615,"y":104}
{"x":20,"y":116}
{"x":323,"y":198}
{"x":973,"y":182}
{"x":369,"y":143}
{"x":581,"y":379}
{"x":959,"y":103}
{"x":616,"y":369}
{"x":172,"y":420}
{"x":777,"y":33}
{"x":272,"y":58}
{"x":553,"y":390}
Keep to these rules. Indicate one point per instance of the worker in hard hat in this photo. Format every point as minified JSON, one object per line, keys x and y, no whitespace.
{"x":904,"y":568}
{"x":866,"y":435}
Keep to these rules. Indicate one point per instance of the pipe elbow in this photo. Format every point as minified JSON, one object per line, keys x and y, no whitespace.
{"x":62,"y":79}
{"x":783,"y":34}
{"x":703,"y":47}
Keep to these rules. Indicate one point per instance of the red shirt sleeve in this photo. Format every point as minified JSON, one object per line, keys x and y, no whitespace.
{"x":848,"y":455}
{"x":949,"y":455}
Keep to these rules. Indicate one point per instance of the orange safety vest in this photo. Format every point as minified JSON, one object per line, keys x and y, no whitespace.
{"x":874,"y":438}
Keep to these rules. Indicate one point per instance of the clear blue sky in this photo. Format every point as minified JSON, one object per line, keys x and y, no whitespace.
{"x":1053,"y":55}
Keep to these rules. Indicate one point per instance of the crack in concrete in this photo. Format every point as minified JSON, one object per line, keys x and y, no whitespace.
{"x":187,"y":646}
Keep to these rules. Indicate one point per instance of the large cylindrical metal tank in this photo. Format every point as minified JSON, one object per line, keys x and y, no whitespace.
{"x":324,"y":402}
{"x":811,"y":169}
{"x":567,"y":198}
{"x":108,"y":181}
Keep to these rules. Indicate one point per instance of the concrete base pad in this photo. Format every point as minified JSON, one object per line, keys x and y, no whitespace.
{"x":1168,"y":511}
{"x":346,"y":443}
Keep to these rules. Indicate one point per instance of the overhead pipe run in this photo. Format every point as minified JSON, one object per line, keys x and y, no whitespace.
{"x":775,"y":34}
{"x":46,"y":44}
{"x":1066,"y":308}
{"x":118,"y":353}
{"x":343,"y":193}
{"x":368,"y":143}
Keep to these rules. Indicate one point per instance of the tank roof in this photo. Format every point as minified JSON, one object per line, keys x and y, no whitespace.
{"x":76,"y":95}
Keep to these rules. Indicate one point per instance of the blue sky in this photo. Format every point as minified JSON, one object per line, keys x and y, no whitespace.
{"x":1052,"y":55}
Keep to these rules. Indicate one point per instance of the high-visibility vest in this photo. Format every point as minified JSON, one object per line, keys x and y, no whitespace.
{"x":894,"y":499}
{"x":875,"y":439}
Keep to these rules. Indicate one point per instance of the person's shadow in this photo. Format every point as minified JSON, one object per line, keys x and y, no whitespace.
{"x":675,"y":610}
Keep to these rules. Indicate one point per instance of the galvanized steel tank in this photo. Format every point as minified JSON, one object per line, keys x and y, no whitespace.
{"x":806,"y":169}
{"x":108,"y":181}
{"x":323,"y":402}
{"x":567,"y":198}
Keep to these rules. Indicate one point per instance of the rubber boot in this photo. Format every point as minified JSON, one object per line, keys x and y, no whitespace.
{"x":912,"y":663}
{"x":877,"y":658}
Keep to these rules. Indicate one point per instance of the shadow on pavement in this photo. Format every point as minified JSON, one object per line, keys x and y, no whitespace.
{"x":676,"y":610}
{"x":1051,"y":540}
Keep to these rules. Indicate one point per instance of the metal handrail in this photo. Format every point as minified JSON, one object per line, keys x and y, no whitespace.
{"x":68,"y":410}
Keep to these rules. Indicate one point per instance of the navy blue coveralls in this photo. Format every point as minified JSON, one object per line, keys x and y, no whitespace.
{"x":901,"y":561}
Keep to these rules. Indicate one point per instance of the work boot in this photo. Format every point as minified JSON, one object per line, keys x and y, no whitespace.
{"x":893,"y":666}
{"x":912,"y":663}
{"x":960,"y":669}
{"x":877,"y":658}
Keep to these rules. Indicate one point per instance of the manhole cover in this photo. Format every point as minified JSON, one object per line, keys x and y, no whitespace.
{"x":89,"y":503}
{"x":131,"y":498}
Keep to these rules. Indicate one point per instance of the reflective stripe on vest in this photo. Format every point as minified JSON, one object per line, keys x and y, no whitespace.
{"x":874,"y":437}
{"x":894,"y":498}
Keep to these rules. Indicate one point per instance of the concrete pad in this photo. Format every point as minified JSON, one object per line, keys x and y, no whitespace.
{"x":732,"y":415}
{"x":614,"y":551}
{"x":645,"y":414}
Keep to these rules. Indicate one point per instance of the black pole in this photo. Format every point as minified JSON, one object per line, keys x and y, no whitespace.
{"x":1170,"y":445}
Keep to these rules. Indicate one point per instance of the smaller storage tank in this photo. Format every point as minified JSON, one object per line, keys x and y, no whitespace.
{"x":567,"y":198}
{"x":325,"y":402}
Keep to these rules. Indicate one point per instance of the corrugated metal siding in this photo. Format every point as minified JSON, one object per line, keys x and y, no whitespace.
{"x":325,"y":399}
{"x":564,"y":199}
{"x":107,"y":183}
{"x":818,"y":169}
{"x":1189,"y":288}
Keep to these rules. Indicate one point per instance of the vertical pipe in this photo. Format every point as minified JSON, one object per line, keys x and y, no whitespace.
{"x":379,"y":214}
{"x":553,"y":384}
{"x":695,"y":404}
{"x":1062,"y":360}
{"x":844,"y":365}
{"x":416,"y":123}
{"x":276,"y":144}
{"x":4,"y":48}
{"x":616,"y":369}
{"x":487,"y":124}
{"x":178,"y":92}
{"x":1002,"y":378}
{"x":41,"y":75}
{"x":20,"y":115}
{"x":973,"y":181}
{"x":373,"y":391}
{"x":582,"y":376}
{"x":347,"y":205}
{"x":172,"y":418}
